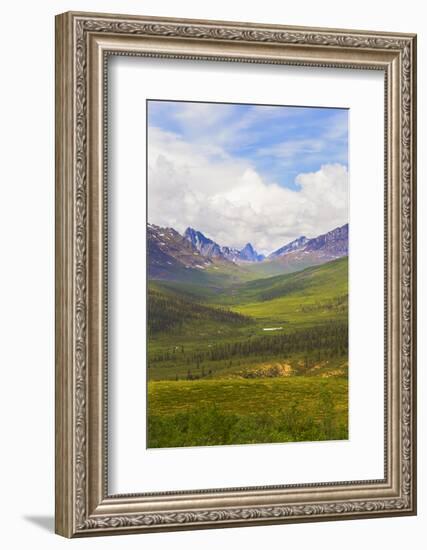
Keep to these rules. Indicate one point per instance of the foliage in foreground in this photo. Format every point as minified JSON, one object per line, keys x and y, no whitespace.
{"x":299,"y":409}
{"x":213,"y":427}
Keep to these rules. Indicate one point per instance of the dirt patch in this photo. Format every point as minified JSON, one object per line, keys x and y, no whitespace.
{"x":268,"y":370}
{"x":331,"y":373}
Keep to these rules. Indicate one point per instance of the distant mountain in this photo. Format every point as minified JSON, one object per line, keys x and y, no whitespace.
{"x":231,"y":254}
{"x":248,"y":254}
{"x":205,"y":246}
{"x":210,"y":249}
{"x":297,"y":244}
{"x":194,"y":257}
{"x":334,"y":242}
{"x":303,"y":252}
{"x":169,"y":253}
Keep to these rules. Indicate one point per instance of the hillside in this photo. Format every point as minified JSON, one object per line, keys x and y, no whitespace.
{"x":302,"y":253}
{"x":333,"y":244}
{"x":304,"y":299}
{"x":327,"y":280}
{"x":172,"y":257}
{"x":168,"y":311}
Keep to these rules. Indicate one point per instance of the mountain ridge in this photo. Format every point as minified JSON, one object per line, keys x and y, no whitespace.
{"x":210,"y":249}
{"x":293,"y":245}
{"x":336,"y":239}
{"x":197,"y":258}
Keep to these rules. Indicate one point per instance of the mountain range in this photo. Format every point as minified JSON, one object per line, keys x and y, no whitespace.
{"x":170,"y":254}
{"x":211,"y":249}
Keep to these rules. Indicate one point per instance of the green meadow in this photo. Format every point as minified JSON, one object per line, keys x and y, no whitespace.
{"x":250,"y":359}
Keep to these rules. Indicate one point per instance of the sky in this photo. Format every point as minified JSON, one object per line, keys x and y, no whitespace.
{"x":247,"y":173}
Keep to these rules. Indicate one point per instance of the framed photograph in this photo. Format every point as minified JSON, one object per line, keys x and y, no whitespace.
{"x":235,"y":274}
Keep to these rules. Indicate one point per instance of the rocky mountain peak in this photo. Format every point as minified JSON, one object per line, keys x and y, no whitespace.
{"x":334,"y":243}
{"x":207,"y":247}
{"x":249,"y":254}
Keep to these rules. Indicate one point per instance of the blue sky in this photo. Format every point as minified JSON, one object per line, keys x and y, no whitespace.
{"x":279,"y":142}
{"x":245,"y":173}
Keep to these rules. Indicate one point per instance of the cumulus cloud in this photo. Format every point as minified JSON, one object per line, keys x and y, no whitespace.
{"x":198,"y":185}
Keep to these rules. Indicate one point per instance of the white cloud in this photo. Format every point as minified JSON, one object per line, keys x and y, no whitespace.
{"x":227,"y":199}
{"x":211,"y":114}
{"x":291,"y":149}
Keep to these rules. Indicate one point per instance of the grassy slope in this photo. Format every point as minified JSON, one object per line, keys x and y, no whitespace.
{"x":211,"y":279}
{"x":328,"y":279}
{"x":169,"y":311}
{"x":276,"y":266}
{"x":298,"y":300}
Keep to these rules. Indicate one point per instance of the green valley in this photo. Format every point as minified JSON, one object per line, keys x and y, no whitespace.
{"x":248,"y":358}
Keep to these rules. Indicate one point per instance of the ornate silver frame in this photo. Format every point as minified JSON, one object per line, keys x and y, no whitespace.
{"x":83,"y":42}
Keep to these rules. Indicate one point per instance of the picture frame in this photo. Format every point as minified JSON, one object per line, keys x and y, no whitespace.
{"x":84,"y":505}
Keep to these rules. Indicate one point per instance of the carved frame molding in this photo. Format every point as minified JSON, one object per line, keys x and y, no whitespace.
{"x":83,"y":42}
